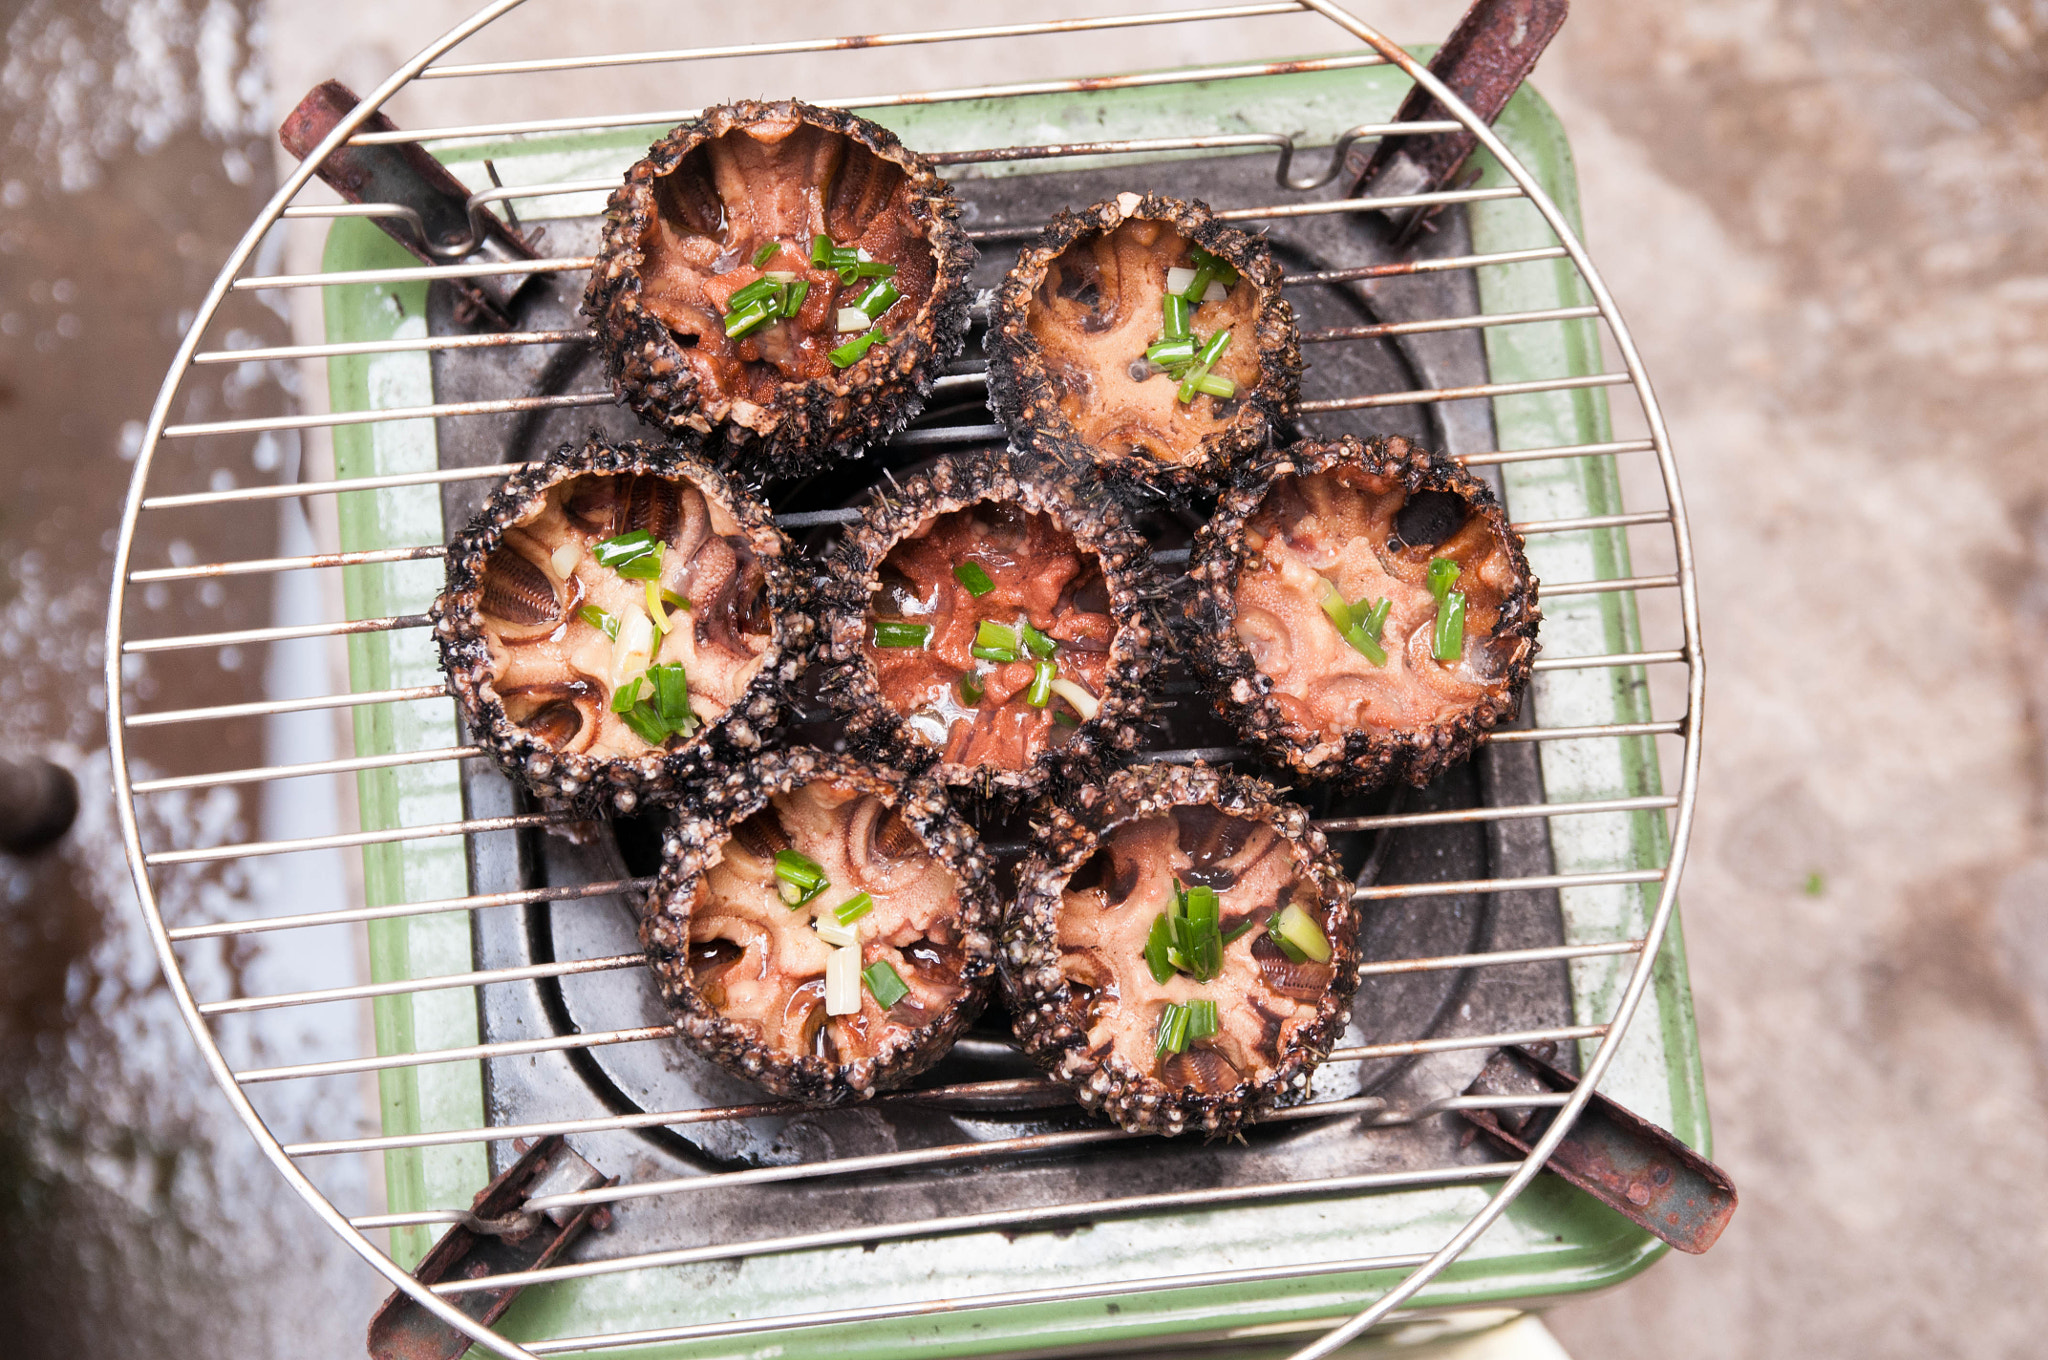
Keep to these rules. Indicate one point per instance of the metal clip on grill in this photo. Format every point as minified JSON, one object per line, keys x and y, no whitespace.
{"x":747,"y":1217}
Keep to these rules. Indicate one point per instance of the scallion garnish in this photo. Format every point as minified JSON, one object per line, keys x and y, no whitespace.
{"x":672,"y":695}
{"x":654,"y":609}
{"x":1173,"y":1029}
{"x":635,"y":556}
{"x":793,"y":295}
{"x":1449,"y":637}
{"x":675,"y":601}
{"x":874,"y":269}
{"x":821,"y":249}
{"x":766,"y":253}
{"x":760,"y":290}
{"x":1159,"y":948}
{"x":1221,"y":388}
{"x":853,"y":908}
{"x":1002,"y":655}
{"x":1171,"y":354}
{"x":877,"y":298}
{"x":1040,"y":693}
{"x":896,"y":633}
{"x":1202,"y":1020}
{"x":608,"y":624}
{"x":1064,"y":718}
{"x":1186,"y":938}
{"x":1035,"y":642}
{"x":646,"y":724}
{"x":993,"y":634}
{"x":1220,"y":269}
{"x":1298,"y":935}
{"x":971,"y":689}
{"x":750,"y":318}
{"x":1443,"y":574}
{"x":970,"y":575}
{"x":626,"y":695}
{"x":1176,"y":308}
{"x":1205,"y":359}
{"x":1205,"y":274}
{"x":1348,"y":620}
{"x":850,"y":353}
{"x":1240,"y":930}
{"x":803,"y":878}
{"x":884,"y":983}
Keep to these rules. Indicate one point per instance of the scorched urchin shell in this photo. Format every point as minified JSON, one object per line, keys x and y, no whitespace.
{"x":1071,"y":325}
{"x":1091,"y":1006}
{"x":736,"y":198}
{"x":1350,"y":526}
{"x":540,"y":636}
{"x":749,"y":973}
{"x":985,"y":621}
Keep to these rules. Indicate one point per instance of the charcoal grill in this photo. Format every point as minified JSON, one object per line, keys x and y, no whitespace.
{"x":1529,"y":897}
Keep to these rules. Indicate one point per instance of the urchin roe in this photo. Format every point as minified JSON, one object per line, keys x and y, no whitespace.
{"x":1094,"y":314}
{"x":760,"y":962}
{"x":785,"y":181}
{"x":1106,"y":916}
{"x":555,"y":670}
{"x":1038,"y":575}
{"x":1365,"y":534}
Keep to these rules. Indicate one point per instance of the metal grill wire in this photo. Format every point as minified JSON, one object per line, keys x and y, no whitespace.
{"x":144,"y":863}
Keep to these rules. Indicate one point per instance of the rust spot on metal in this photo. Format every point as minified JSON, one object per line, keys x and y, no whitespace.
{"x":1621,"y":1159}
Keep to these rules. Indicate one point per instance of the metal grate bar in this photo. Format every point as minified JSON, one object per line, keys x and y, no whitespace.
{"x":1430,"y":394}
{"x":1445,"y":323}
{"x":1503,"y":736}
{"x":505,"y":1049}
{"x":1385,"y":891}
{"x":1609,"y":587}
{"x":1437,"y":265}
{"x":479,"y":978}
{"x":858,"y":42}
{"x":1453,"y":1043}
{"x":427,"y":344}
{"x":1500,"y":958}
{"x":1562,"y":451}
{"x":253,"y":636}
{"x":253,"y":566}
{"x":379,"y":416}
{"x":417,"y":273}
{"x":347,"y":839}
{"x":668,"y":118}
{"x":348,"y":765}
{"x":1516,"y":812}
{"x":351,"y":915}
{"x":283,"y":491}
{"x":1559,"y":526}
{"x":263,"y":708}
{"x":1278,"y":141}
{"x":1574,"y":663}
{"x":1284,"y":210}
{"x":996,"y":1221}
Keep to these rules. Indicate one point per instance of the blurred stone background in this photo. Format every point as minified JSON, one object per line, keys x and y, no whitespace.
{"x":1826,"y":222}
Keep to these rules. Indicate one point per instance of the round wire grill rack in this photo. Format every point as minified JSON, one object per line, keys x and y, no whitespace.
{"x":158,"y":466}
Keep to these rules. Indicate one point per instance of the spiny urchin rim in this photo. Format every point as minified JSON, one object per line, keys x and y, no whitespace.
{"x":1244,"y":694}
{"x":689,"y":847}
{"x":851,"y":573}
{"x":1026,"y":398}
{"x":815,"y":421}
{"x":618,"y":783}
{"x":1053,"y":1029}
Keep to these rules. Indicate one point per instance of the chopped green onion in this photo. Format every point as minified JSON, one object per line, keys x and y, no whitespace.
{"x":831,"y":932}
{"x":1064,"y":718}
{"x":646,"y":724}
{"x":874,"y":269}
{"x":1449,"y":638}
{"x":793,"y":295}
{"x":1158,"y":947}
{"x":1002,"y":655}
{"x":675,"y":601}
{"x":885,"y":983}
{"x":1176,"y":308}
{"x":1204,"y":361}
{"x":751,"y":318}
{"x":842,"y":981}
{"x":1443,"y":574}
{"x":1196,"y":937}
{"x":879,"y":297}
{"x":1240,"y":930}
{"x":999,"y":635}
{"x":1076,"y":694}
{"x":766,"y":253}
{"x":1220,"y":388}
{"x":1173,"y":1029}
{"x":896,"y":633}
{"x":1371,"y":616}
{"x":635,"y":556}
{"x":608,"y":624}
{"x":1298,"y":935}
{"x":654,"y":609}
{"x":1221,"y":269}
{"x":800,"y":873}
{"x":1040,"y":693}
{"x":849,"y":354}
{"x":821,"y":249}
{"x":672,"y":694}
{"x":971,"y":689}
{"x":853,"y":908}
{"x":1205,"y":274}
{"x":626,"y":695}
{"x":1171,"y":352}
{"x":1345,"y":617}
{"x":976,"y":580}
{"x":1202,"y":1020}
{"x":1037,"y":643}
{"x":850,"y":319}
{"x":760,"y":290}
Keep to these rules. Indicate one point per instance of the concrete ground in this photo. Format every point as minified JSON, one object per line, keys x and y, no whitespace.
{"x":1827,"y":223}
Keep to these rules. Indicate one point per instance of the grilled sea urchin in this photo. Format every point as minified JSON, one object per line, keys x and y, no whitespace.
{"x":984,"y":619}
{"x":750,"y":974}
{"x":1336,"y":552}
{"x":1071,"y":326}
{"x":739,"y":196}
{"x":1148,"y":1023}
{"x":551,"y":625}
